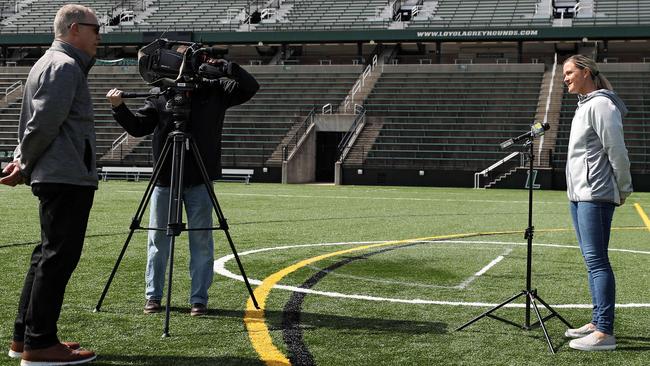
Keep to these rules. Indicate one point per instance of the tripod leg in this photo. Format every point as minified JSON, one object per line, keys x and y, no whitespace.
{"x":489,"y":312}
{"x":241,"y":269}
{"x":531,"y":296}
{"x":175,"y":212}
{"x":223,"y":224}
{"x":555,"y":313}
{"x":110,"y":278}
{"x":172,"y":240}
{"x":135,"y":223}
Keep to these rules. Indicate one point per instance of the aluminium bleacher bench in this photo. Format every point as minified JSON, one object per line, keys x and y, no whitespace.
{"x":237,"y":175}
{"x":135,"y":173}
{"x":125,"y":172}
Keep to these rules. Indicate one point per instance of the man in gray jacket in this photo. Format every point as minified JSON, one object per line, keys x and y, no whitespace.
{"x":56,"y":157}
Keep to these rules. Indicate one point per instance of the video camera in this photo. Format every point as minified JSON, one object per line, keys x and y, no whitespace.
{"x":165,"y":63}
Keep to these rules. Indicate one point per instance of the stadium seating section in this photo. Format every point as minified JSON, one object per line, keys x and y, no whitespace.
{"x":425,"y":116}
{"x":36,"y":16}
{"x":436,"y":118}
{"x":253,"y":131}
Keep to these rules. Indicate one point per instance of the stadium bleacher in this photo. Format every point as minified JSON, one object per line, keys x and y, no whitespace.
{"x":491,"y":13}
{"x":329,"y":14}
{"x":450,"y":116}
{"x":616,"y":12}
{"x":173,"y":15}
{"x":10,"y":110}
{"x":427,"y":116}
{"x":37,"y":16}
{"x":314,"y":15}
{"x":254,"y":131}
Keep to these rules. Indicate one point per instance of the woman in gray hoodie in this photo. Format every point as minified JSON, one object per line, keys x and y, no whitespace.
{"x":598,"y":180}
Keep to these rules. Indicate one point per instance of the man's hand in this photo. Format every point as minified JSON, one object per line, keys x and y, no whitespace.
{"x":13,"y":174}
{"x":115,"y":97}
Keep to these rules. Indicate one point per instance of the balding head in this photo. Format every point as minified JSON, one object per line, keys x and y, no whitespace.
{"x":68,"y":14}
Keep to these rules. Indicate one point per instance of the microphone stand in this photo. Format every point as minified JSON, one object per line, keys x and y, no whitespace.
{"x":530,"y":293}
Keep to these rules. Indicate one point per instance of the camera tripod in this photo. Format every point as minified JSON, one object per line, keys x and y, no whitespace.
{"x":531,"y":294}
{"x":177,"y":142}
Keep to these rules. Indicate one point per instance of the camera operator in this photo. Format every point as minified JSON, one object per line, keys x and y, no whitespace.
{"x":208,"y":105}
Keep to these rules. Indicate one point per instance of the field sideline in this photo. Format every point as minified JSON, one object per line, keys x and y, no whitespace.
{"x":347,"y":275}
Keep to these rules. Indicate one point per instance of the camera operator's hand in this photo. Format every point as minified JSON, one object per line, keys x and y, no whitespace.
{"x":221,"y":64}
{"x":115,"y":97}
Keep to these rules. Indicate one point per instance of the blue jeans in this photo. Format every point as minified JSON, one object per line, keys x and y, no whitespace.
{"x":198,"y":208}
{"x":592,"y":222}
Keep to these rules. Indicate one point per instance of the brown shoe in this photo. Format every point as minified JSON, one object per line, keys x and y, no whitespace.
{"x":58,"y":354}
{"x":198,"y":309}
{"x":16,"y":348}
{"x":152,"y":306}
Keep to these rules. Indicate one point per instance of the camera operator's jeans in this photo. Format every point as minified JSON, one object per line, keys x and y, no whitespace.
{"x":592,"y":222}
{"x":198,"y":208}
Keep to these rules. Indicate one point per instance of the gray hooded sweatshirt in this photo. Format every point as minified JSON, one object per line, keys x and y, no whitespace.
{"x":56,"y":131}
{"x":598,"y":168}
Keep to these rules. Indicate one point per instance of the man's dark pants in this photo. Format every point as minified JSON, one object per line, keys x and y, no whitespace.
{"x":64,"y":211}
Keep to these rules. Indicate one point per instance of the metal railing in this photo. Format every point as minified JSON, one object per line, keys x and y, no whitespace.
{"x":298,"y":136}
{"x":122,"y":139}
{"x":349,"y":99}
{"x":484,"y":172}
{"x":18,"y":85}
{"x":360,"y":111}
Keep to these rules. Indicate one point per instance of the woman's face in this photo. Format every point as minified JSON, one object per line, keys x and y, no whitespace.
{"x":577,"y":80}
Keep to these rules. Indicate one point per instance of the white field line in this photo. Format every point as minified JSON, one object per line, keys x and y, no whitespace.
{"x":275,"y":195}
{"x":460,"y":286}
{"x":219,"y":268}
{"x":478,"y":274}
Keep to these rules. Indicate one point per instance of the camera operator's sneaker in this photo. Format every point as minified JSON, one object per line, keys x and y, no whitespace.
{"x":592,"y":342}
{"x":16,"y":348}
{"x":584,"y":330}
{"x":59,"y":354}
{"x":152,"y":306}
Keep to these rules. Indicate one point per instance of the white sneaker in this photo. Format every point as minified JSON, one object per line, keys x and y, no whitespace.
{"x":592,"y":343}
{"x":584,"y":330}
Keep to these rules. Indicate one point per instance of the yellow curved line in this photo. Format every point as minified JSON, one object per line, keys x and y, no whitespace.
{"x":643,"y":215}
{"x":254,"y":318}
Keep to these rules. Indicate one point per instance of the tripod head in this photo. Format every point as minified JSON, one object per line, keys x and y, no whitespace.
{"x":179,"y":101}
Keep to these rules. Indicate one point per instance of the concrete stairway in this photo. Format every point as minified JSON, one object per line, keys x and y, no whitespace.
{"x":364,"y":142}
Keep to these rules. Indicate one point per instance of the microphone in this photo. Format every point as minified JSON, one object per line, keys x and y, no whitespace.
{"x":536,"y":130}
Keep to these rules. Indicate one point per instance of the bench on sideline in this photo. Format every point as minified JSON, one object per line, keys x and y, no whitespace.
{"x":237,"y":175}
{"x":135,"y":173}
{"x":125,"y":172}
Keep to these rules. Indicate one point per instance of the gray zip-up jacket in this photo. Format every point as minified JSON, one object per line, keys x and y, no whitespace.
{"x":56,"y":132}
{"x":598,"y":168}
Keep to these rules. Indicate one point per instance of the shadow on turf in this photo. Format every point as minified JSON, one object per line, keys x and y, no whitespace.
{"x":140,"y":360}
{"x":12,"y":245}
{"x":639,"y":344}
{"x":313,"y":320}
